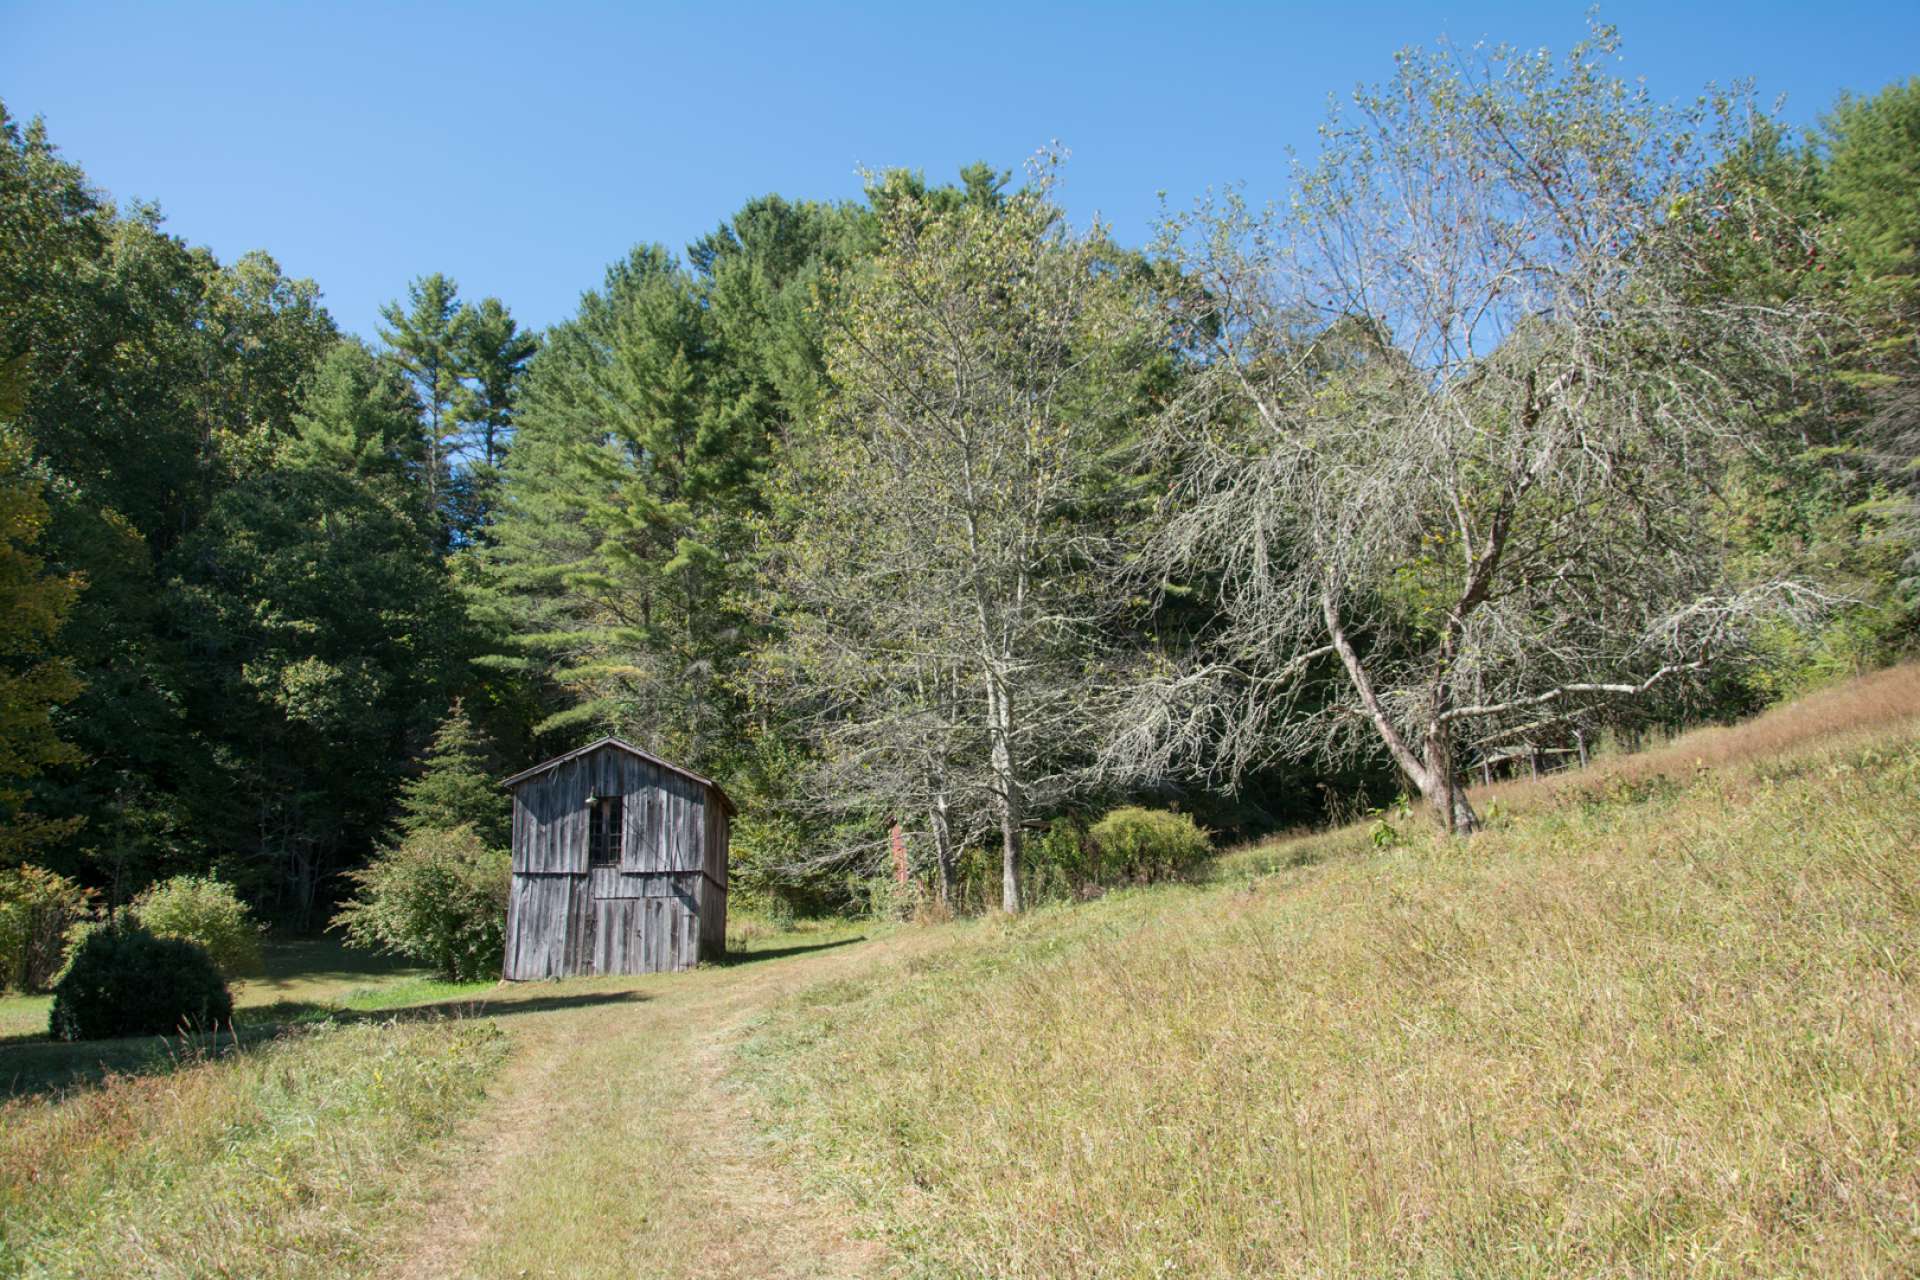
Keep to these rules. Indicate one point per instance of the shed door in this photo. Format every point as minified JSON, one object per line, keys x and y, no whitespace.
{"x":546,"y":926}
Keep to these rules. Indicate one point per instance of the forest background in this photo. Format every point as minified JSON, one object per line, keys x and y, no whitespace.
{"x":271,"y":588}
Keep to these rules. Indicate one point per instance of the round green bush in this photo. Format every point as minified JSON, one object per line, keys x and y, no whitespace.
{"x":1139,"y":844}
{"x":205,"y":910}
{"x":439,"y":897}
{"x":124,"y":981}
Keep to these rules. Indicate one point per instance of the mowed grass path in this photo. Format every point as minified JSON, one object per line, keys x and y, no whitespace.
{"x":617,"y":1145}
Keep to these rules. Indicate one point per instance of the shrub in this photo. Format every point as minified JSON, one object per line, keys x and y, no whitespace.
{"x":204,"y":910}
{"x":37,"y":908}
{"x":1057,"y":861}
{"x":1132,"y":843}
{"x":124,"y":981}
{"x":76,"y":936}
{"x":439,"y":897}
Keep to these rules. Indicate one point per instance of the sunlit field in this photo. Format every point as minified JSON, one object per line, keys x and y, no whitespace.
{"x":1661,"y":1021}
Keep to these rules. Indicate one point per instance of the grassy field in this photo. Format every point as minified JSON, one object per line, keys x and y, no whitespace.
{"x":370,"y":1121}
{"x":1661,"y":1019}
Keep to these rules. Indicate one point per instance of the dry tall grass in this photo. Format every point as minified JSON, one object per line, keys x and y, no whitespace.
{"x":273,"y":1162}
{"x":1663,"y":1022}
{"x":1856,"y":710}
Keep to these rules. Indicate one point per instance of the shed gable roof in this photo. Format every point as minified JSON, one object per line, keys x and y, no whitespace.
{"x":623,"y":745}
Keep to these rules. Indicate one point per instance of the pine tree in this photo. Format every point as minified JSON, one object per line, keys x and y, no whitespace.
{"x":357,"y":420}
{"x":1872,"y":184}
{"x":426,"y":338}
{"x":493,"y":353}
{"x":632,"y":479}
{"x":455,"y":786}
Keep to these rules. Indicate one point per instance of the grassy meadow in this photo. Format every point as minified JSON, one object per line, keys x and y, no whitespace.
{"x":1662,"y":1020}
{"x":303,"y":980}
{"x":1659,"y":1019}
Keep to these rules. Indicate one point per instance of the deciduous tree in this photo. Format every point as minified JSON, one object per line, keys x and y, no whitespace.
{"x":955,"y":500}
{"x":1459,"y":410}
{"x":34,"y":680}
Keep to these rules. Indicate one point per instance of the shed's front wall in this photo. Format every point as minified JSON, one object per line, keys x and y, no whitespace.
{"x":657,"y":910}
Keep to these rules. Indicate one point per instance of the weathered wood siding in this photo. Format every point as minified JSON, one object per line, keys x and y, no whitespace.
{"x":661,"y":908}
{"x":548,"y":927}
{"x":713,"y":884}
{"x":645,"y":935}
{"x":550,"y":818}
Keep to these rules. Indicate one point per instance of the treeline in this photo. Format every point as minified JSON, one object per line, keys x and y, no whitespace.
{"x":235,"y":612}
{"x":1541,"y":412}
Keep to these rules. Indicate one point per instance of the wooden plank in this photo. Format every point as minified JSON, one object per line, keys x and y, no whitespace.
{"x":656,"y":829}
{"x":689,"y":859}
{"x":663,"y":836}
{"x":516,"y":925}
{"x":633,"y":835}
{"x":696,"y":829}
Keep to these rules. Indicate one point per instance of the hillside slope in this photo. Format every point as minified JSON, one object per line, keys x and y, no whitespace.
{"x":1660,"y":1021}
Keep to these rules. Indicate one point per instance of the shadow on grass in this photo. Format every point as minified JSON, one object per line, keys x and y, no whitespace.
{"x":50,"y":1066}
{"x":37,"y":1065}
{"x":495,"y":1002}
{"x":732,"y":958}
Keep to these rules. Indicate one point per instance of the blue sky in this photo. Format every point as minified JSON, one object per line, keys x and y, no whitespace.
{"x":520,"y":148}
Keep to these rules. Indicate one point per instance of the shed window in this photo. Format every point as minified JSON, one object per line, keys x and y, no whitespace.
{"x":604,"y":831}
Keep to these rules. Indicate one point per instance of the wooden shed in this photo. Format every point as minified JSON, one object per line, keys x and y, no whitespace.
{"x":619,"y":865}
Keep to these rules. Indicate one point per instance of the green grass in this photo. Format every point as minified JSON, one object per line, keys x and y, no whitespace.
{"x":305,"y":981}
{"x":23,"y":1017}
{"x":1665,"y":1020}
{"x":284,"y":1160}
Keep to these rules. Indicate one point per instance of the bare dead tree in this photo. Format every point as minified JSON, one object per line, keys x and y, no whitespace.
{"x":1450,"y":448}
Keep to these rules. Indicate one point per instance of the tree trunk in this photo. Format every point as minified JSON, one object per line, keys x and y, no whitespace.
{"x":1006,"y":790}
{"x":1443,"y":788}
{"x":1435,"y":776}
{"x":943,"y":848}
{"x":1010,"y":855}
